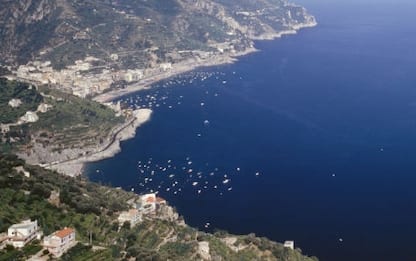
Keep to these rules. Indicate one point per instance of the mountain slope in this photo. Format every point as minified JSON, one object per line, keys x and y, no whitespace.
{"x":91,"y":208}
{"x":141,"y":32}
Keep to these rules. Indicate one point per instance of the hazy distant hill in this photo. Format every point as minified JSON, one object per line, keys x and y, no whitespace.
{"x":136,"y":33}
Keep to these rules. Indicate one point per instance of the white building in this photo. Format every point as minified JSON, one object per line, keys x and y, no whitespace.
{"x":114,"y":56}
{"x":289,"y":244}
{"x":148,"y":203}
{"x":133,"y":216}
{"x":60,"y":241}
{"x":165,"y":66}
{"x":14,"y":103}
{"x":4,"y":128}
{"x":22,"y":170}
{"x":128,"y":77}
{"x":133,"y":75}
{"x":21,"y":234}
{"x":29,"y":117}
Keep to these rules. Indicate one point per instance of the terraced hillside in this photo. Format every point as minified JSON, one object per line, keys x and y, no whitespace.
{"x":93,"y":209}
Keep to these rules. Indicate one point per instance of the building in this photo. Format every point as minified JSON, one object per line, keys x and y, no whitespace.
{"x":30,"y":116}
{"x":21,"y":234}
{"x":60,"y":241}
{"x":148,"y":203}
{"x":165,"y":66}
{"x":54,"y":198}
{"x":289,"y":244}
{"x":133,"y":216}
{"x":5,"y":128}
{"x":14,"y":103}
{"x":22,"y":170}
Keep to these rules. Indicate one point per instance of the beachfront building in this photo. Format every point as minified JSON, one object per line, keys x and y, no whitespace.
{"x":133,"y":216}
{"x":165,"y":66}
{"x":21,"y":234}
{"x":60,"y":241}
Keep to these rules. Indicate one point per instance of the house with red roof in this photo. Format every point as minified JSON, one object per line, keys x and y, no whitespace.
{"x":60,"y":241}
{"x":148,"y":203}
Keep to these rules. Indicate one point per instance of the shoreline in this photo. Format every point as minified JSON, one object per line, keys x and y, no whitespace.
{"x":190,"y":65}
{"x":75,"y":167}
{"x":180,"y":68}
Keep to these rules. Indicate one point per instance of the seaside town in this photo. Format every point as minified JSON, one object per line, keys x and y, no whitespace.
{"x":84,"y":79}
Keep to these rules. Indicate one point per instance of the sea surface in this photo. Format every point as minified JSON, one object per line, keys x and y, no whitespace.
{"x":312,"y":139}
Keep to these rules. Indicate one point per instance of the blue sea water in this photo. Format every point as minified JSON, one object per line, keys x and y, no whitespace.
{"x":327,"y":118}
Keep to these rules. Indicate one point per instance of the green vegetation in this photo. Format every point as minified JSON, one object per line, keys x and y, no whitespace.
{"x":71,"y":122}
{"x":74,"y":121}
{"x":92,"y":208}
{"x":11,"y":253}
{"x":16,"y":90}
{"x":84,"y":252}
{"x":4,"y":71}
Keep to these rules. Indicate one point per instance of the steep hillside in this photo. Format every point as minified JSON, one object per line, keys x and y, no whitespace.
{"x":93,"y":209}
{"x":136,"y":33}
{"x":60,"y":127}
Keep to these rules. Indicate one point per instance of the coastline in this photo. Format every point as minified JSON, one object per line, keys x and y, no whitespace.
{"x":191,"y":65}
{"x":179,"y":68}
{"x":75,"y":167}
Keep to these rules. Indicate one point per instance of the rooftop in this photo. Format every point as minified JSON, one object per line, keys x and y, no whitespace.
{"x":24,"y":224}
{"x":64,"y":232}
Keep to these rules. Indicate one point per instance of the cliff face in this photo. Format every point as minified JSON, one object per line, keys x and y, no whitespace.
{"x":140,"y":32}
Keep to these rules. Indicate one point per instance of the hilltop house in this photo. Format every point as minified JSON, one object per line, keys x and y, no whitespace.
{"x":133,"y":216}
{"x":147,"y":203}
{"x":21,"y":234}
{"x":60,"y":241}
